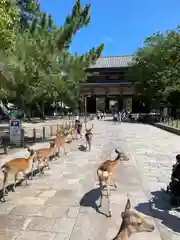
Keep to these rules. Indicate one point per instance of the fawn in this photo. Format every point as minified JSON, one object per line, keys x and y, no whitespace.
{"x":132,"y":222}
{"x":105,"y":173}
{"x":43,"y":154}
{"x":88,"y":136}
{"x":16,"y":166}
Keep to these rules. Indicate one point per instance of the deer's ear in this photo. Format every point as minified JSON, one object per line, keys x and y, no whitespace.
{"x":123,"y":215}
{"x":128,"y":205}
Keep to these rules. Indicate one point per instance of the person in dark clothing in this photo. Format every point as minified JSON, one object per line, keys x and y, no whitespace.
{"x":78,"y":126}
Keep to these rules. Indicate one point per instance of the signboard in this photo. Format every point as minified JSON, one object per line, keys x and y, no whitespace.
{"x":15,"y":131}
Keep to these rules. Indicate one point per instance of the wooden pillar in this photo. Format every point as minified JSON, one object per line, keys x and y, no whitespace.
{"x":106,"y":104}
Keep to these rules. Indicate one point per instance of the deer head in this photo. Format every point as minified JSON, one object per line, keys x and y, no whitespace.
{"x":52,"y":144}
{"x":132,"y":222}
{"x":31,"y":151}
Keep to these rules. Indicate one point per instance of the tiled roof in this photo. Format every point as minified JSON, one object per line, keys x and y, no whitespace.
{"x":113,"y":61}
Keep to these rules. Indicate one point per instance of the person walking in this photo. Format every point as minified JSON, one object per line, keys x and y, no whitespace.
{"x":78,"y":127}
{"x":119,"y":117}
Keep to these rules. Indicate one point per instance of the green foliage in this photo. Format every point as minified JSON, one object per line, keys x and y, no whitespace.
{"x":156,"y":67}
{"x":41,"y":69}
{"x":8,"y":17}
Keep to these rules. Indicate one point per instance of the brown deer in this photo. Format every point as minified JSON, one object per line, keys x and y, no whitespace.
{"x":43,"y":154}
{"x":132,"y":222}
{"x":72,"y":130}
{"x":88,"y":136}
{"x":60,"y":140}
{"x":105,"y":173}
{"x":16,"y":166}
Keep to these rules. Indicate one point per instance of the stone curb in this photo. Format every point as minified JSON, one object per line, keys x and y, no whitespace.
{"x":167,"y":128}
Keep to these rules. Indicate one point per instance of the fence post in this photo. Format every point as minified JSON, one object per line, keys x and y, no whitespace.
{"x":44,"y":133}
{"x":22,"y":138}
{"x":34,"y":134}
{"x":51,"y":131}
{"x":177,"y":123}
{"x":57,"y":128}
{"x":5,"y":146}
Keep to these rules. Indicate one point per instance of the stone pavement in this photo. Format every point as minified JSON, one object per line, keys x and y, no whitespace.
{"x":154,"y":152}
{"x":60,"y":205}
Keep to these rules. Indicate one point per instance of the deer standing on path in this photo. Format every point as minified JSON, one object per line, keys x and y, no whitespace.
{"x":105,"y":173}
{"x":43,"y":154}
{"x":60,"y":140}
{"x":16,"y":166}
{"x":88,"y":136}
{"x":132,"y":222}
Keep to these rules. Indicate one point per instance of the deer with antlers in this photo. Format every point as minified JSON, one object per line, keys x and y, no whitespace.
{"x":16,"y":166}
{"x":88,"y":136}
{"x":132,"y":222}
{"x":105,"y":173}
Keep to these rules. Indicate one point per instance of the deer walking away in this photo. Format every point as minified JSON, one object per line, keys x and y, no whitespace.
{"x":106,"y":173}
{"x":88,"y":136}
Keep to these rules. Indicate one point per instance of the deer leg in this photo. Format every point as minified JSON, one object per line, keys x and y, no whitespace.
{"x":45,"y":160}
{"x":15,"y":180}
{"x":25,"y":178}
{"x":64,"y":150}
{"x":32,"y":170}
{"x":101,"y":194}
{"x":56,"y":153}
{"x":114,"y":183}
{"x":59,"y":150}
{"x":108,"y":197}
{"x":89,"y":145}
{"x":86,"y":143}
{"x":4,"y":186}
{"x":39,"y":168}
{"x":48,"y":163}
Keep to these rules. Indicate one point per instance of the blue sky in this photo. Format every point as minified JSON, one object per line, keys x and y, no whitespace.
{"x":121,"y":25}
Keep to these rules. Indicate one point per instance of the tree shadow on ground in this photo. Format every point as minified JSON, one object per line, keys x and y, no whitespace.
{"x":159,"y":208}
{"x":89,"y":200}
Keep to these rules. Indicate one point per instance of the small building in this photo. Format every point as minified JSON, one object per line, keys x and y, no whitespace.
{"x":108,"y":81}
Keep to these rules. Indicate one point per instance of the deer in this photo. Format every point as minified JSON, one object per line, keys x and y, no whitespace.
{"x":43,"y":154}
{"x":60,"y":140}
{"x":72,"y":130}
{"x":16,"y":166}
{"x":132,"y":222}
{"x":88,"y":136}
{"x":105,"y":173}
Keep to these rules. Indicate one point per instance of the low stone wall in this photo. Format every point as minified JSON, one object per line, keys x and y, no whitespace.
{"x":167,"y":128}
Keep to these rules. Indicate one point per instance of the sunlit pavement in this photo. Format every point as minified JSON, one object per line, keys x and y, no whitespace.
{"x":60,"y":204}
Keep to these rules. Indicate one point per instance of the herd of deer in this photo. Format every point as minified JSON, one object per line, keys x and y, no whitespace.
{"x":132,"y":220}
